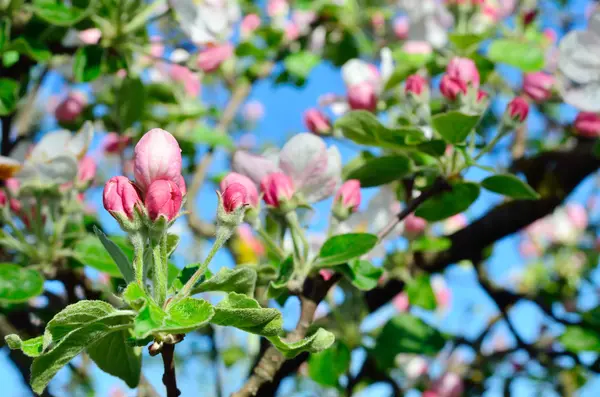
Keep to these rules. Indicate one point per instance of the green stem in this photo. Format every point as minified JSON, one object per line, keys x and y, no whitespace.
{"x":298,"y":237}
{"x":159,"y":274}
{"x":502,"y":130}
{"x":271,"y":244}
{"x":137,"y":240}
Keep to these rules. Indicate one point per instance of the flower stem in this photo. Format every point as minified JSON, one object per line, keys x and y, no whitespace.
{"x":159,"y":275}
{"x":138,"y":259}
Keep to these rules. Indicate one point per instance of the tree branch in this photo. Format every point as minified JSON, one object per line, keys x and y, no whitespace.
{"x":169,"y":378}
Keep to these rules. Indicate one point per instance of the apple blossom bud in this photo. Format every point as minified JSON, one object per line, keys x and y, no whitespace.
{"x":163,"y":199}
{"x":120,"y":198}
{"x":235,"y":196}
{"x":401,"y":26}
{"x":449,"y":385}
{"x":587,"y":124}
{"x":157,"y":156}
{"x":347,"y":199}
{"x":416,"y":85}
{"x":210,"y":58}
{"x":529,"y":16}
{"x":518,"y":109}
{"x":401,"y":303}
{"x":451,"y":88}
{"x":414,"y":225}
{"x":70,"y":109}
{"x":87,"y":170}
{"x":538,"y":85}
{"x":577,"y":215}
{"x":317,"y":122}
{"x":90,"y":36}
{"x":114,"y":143}
{"x":249,"y":24}
{"x":249,"y":186}
{"x":277,"y":189}
{"x":482,"y":96}
{"x":465,"y":70}
{"x":362,"y":96}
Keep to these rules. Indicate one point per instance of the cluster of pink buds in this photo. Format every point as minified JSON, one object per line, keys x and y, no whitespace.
{"x":517,"y":110}
{"x":159,"y":187}
{"x":461,"y":74}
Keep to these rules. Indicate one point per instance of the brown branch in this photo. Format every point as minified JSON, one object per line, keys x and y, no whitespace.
{"x":169,"y":378}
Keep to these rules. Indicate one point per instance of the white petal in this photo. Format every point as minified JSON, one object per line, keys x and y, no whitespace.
{"x":80,"y":142}
{"x":579,"y":57}
{"x":594,"y":22}
{"x":324,"y":184}
{"x":50,"y":146}
{"x":356,"y":71}
{"x":60,"y":170}
{"x":584,"y":97}
{"x":251,"y":165}
{"x":304,"y":159}
{"x":387,"y":63}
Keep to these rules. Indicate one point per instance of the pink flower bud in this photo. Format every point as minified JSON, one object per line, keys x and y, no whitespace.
{"x":249,"y":24}
{"x":3,"y":198}
{"x":587,"y":124}
{"x":277,"y":8}
{"x":114,"y":143}
{"x":349,"y":195}
{"x":577,"y":215}
{"x":414,"y":225}
{"x":415,"y":84}
{"x":210,"y":58}
{"x":234,"y":196}
{"x":157,"y":156}
{"x":189,"y":79}
{"x":482,"y":96}
{"x":400,"y":302}
{"x":362,"y":96}
{"x":70,"y":108}
{"x":378,"y":20}
{"x":465,"y":70}
{"x":401,"y":26}
{"x":90,"y":36}
{"x":87,"y":170}
{"x":451,"y":88}
{"x":120,"y":197}
{"x":253,"y":111}
{"x":326,"y":274}
{"x":518,"y":109}
{"x":417,"y":47}
{"x":163,"y":199}
{"x":529,"y":16}
{"x":291,"y":31}
{"x":317,"y":122}
{"x":249,"y":186}
{"x":449,"y":385}
{"x":276,"y":188}
{"x":538,"y":85}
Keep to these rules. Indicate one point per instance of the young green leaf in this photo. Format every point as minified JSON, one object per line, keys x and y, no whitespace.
{"x":31,"y":347}
{"x":301,"y":63}
{"x":326,"y":367}
{"x":240,"y":279}
{"x":381,"y":170}
{"x":420,"y":292}
{"x":362,"y":274}
{"x":509,"y":185}
{"x":76,"y":316}
{"x":578,"y":339}
{"x":279,"y":286}
{"x":58,"y":13}
{"x":115,"y":356}
{"x":454,"y":126}
{"x":319,"y":341}
{"x":130,"y":102}
{"x":87,"y":65}
{"x":9,"y":95}
{"x":446,"y":204}
{"x":345,"y":247}
{"x":527,"y":56}
{"x":19,"y":284}
{"x":431,"y":244}
{"x":89,"y":251}
{"x":240,"y":311}
{"x":406,"y":333}
{"x":360,"y":126}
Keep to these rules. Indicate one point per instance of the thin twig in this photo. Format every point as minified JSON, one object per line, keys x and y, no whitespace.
{"x":169,"y":378}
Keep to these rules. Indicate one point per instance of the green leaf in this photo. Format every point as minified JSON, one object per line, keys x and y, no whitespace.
{"x":344,"y":247}
{"x":436,"y":147}
{"x":314,"y":343}
{"x":58,"y":13}
{"x":446,"y":204}
{"x":240,"y":311}
{"x":406,"y":333}
{"x":467,"y":41}
{"x":279,"y":286}
{"x":9,"y":58}
{"x":420,"y":292}
{"x":431,"y":244}
{"x":4,"y":32}
{"x":9,"y":95}
{"x":400,"y":73}
{"x":130,"y":102}
{"x":31,"y":48}
{"x":400,"y":138}
{"x":18,"y":284}
{"x":381,"y":170}
{"x":527,"y":56}
{"x":172,"y":243}
{"x":209,"y":136}
{"x":578,"y":339}
{"x":509,"y":185}
{"x":87,"y":65}
{"x":104,"y":255}
{"x":76,"y":316}
{"x":240,"y":279}
{"x":454,"y":126}
{"x":326,"y":367}
{"x":115,"y":356}
{"x":232,"y":355}
{"x":301,"y":63}
{"x":185,"y":274}
{"x":135,"y":296}
{"x":360,"y":126}
{"x":362,"y":274}
{"x":49,"y":363}
{"x":31,"y":347}
{"x":356,"y":163}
